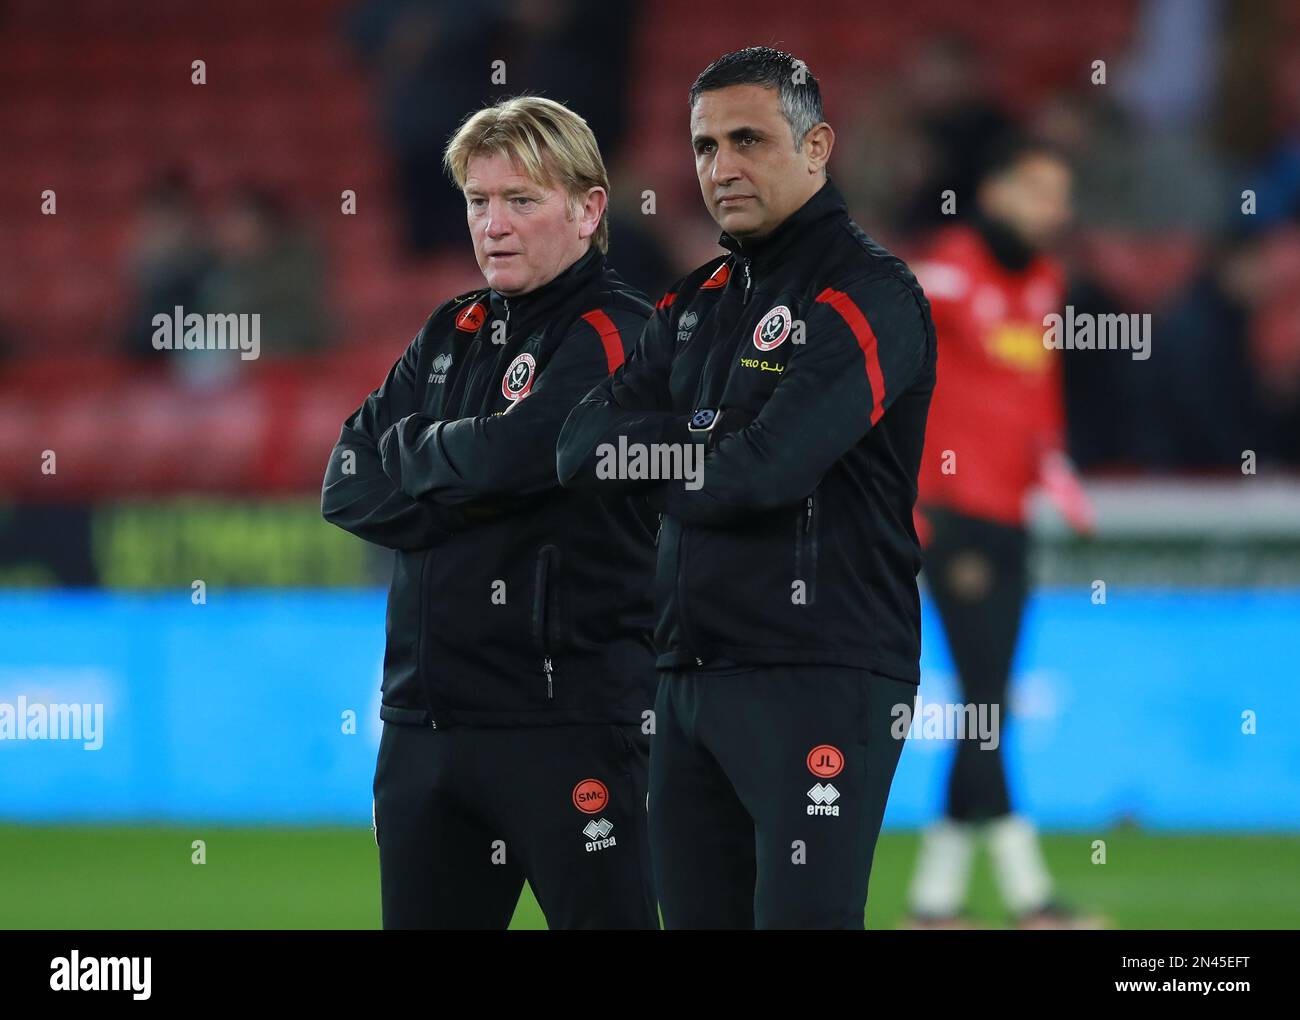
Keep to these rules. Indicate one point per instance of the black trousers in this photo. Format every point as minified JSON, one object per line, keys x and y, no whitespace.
{"x":977,"y":573}
{"x":464,"y":815}
{"x":767,"y":789}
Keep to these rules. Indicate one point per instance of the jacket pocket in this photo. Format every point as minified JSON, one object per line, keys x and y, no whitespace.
{"x":546,"y":615}
{"x":622,"y":748}
{"x":805,"y":546}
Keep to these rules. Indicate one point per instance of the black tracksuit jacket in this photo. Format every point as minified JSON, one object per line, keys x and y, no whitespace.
{"x":815,"y":350}
{"x":513,"y":601}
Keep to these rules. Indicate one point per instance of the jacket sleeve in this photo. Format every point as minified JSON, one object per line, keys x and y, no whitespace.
{"x":634,"y":402}
{"x":863,"y":346}
{"x":511,"y":454}
{"x":358,"y":496}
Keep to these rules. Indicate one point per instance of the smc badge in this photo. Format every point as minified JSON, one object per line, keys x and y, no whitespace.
{"x":719,"y":278}
{"x":472,"y":318}
{"x":772,"y":329}
{"x":591,"y":796}
{"x":518,"y":379}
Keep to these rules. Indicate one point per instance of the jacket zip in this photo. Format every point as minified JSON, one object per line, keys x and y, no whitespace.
{"x":465,"y":409}
{"x":681,"y":595}
{"x":490,"y":395}
{"x":542,"y":616}
{"x":713,"y":362}
{"x":683,"y":531}
{"x":422,"y":675}
{"x":471,"y":367}
{"x":807,"y":538}
{"x":419,"y":643}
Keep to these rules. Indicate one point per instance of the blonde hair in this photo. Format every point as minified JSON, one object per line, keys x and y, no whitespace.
{"x":547,"y":141}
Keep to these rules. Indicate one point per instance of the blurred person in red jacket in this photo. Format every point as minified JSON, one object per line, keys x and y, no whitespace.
{"x":996,"y":431}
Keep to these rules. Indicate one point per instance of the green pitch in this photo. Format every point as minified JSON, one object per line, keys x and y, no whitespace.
{"x":88,"y":877}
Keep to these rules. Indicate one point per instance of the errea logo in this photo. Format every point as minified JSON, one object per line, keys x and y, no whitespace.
{"x":598,"y":835}
{"x":685,"y":326}
{"x":440,"y":367}
{"x":823,"y":797}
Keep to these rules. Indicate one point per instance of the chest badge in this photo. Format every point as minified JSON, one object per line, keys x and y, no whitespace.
{"x":772,"y":329}
{"x":518,"y":379}
{"x":719,"y":278}
{"x":472,"y":318}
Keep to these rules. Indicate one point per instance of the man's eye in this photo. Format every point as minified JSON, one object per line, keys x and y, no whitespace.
{"x":477,"y":203}
{"x":522,"y":200}
{"x":704,"y":148}
{"x":747,"y":140}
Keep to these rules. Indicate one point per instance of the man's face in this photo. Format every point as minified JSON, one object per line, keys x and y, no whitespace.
{"x":1032,"y":197}
{"x":751,"y":176}
{"x":524,"y":234}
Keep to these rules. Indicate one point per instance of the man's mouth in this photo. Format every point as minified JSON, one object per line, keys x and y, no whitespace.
{"x":727,"y":201}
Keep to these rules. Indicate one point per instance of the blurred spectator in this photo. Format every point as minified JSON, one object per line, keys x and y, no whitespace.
{"x":637,"y":254}
{"x":268,"y":264}
{"x":167,"y":261}
{"x":1204,"y":364}
{"x":958,"y":121}
{"x":884,"y":161}
{"x":578,"y":54}
{"x":1169,"y":76}
{"x":1275,"y":343}
{"x":636,"y":251}
{"x":1090,"y":129}
{"x":1131,"y":175}
{"x":433,"y":60}
{"x":1258,"y":122}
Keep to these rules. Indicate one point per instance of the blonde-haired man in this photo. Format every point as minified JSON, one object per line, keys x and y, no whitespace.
{"x":518,"y":662}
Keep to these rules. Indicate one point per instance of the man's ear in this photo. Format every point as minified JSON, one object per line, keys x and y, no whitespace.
{"x":591,"y":210}
{"x":817,"y":144}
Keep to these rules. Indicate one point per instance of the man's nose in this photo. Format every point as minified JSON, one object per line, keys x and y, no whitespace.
{"x":498,"y":220}
{"x":725,"y":167}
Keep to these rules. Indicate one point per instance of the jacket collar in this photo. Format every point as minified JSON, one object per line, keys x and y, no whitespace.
{"x":797,"y":231}
{"x":522,"y":307}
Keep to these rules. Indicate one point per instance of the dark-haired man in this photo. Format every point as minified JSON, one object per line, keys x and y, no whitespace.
{"x":996,"y":431}
{"x":788,"y":628}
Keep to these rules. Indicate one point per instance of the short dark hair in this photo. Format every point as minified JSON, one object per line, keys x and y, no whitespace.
{"x":801,"y":101}
{"x":1006,"y":151}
